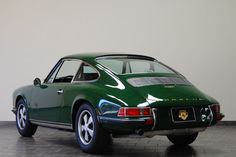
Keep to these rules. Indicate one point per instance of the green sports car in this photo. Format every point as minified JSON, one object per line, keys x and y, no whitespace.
{"x":99,"y":96}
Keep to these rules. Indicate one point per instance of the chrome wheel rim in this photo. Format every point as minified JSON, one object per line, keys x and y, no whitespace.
{"x":85,"y":127}
{"x":21,"y":116}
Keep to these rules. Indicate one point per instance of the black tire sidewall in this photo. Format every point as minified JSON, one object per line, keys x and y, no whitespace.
{"x":89,"y":147}
{"x":27,"y":123}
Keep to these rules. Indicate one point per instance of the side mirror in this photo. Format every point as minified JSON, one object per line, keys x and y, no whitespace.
{"x":37,"y":82}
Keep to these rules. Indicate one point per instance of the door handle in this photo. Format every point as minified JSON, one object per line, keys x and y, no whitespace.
{"x":60,"y":91}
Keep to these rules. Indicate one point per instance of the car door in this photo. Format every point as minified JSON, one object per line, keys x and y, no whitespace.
{"x":47,"y":98}
{"x":79,"y":87}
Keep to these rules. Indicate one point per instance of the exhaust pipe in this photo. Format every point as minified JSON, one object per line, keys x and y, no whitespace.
{"x":139,"y":132}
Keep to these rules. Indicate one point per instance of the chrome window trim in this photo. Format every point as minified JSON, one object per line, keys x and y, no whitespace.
{"x":68,"y":59}
{"x":60,"y":63}
{"x":88,"y":81}
{"x":112,"y":56}
{"x":105,"y":67}
{"x":108,"y":57}
{"x":56,"y":71}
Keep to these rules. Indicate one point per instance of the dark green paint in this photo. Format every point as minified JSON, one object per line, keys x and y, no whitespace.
{"x":45,"y":104}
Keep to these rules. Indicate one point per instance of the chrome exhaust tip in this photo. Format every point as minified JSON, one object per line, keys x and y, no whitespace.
{"x":139,"y":132}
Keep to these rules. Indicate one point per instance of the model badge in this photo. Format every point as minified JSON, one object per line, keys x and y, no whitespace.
{"x":183,"y":114}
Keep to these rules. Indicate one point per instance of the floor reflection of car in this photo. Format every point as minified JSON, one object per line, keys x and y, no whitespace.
{"x":180,"y":151}
{"x":98,"y":95}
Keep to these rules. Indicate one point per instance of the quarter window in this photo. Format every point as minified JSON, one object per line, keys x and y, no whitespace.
{"x":86,"y":73}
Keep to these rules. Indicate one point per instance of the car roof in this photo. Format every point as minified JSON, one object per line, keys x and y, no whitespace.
{"x":93,"y":55}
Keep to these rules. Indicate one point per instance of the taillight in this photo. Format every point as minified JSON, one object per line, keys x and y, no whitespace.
{"x":215,"y":108}
{"x":216,"y":112}
{"x":134,"y":112}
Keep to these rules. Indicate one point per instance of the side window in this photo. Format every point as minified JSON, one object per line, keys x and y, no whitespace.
{"x":86,"y":73}
{"x":50,"y":80}
{"x":67,"y":71}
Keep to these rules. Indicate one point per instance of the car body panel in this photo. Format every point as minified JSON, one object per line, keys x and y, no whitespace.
{"x":46,"y":102}
{"x":24,"y":93}
{"x":110,"y":92}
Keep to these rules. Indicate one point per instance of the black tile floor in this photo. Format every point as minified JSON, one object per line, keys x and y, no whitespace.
{"x":218,"y":141}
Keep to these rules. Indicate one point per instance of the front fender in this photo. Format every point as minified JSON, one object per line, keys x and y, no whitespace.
{"x":23,"y":93}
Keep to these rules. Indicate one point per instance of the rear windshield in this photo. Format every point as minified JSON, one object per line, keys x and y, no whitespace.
{"x":124,"y":65}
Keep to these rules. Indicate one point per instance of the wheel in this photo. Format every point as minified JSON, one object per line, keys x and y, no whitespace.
{"x":24,"y":127}
{"x":90,"y":136}
{"x":182,"y":140}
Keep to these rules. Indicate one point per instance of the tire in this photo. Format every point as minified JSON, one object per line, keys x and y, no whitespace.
{"x":24,"y":127}
{"x":182,"y":140}
{"x":90,"y":136}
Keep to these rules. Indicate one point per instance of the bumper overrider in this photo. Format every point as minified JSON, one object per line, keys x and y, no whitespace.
{"x":155,"y":125}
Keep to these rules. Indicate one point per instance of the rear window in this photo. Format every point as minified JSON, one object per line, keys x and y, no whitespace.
{"x":124,"y":65}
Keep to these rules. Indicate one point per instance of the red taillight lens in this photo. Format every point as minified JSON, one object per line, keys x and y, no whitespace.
{"x":215,"y":108}
{"x":121,"y":111}
{"x":134,"y":112}
{"x":149,"y":121}
{"x":147,"y":111}
{"x":216,"y":112}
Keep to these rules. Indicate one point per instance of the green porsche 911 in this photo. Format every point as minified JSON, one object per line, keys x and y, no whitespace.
{"x":99,"y":96}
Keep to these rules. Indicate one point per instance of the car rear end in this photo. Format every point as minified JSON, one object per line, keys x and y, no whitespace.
{"x":170,"y":104}
{"x":163,"y":120}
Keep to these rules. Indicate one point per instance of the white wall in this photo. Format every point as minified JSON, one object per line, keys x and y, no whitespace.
{"x":197,"y":38}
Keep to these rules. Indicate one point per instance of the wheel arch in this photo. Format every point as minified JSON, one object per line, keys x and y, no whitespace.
{"x":75,"y":107}
{"x":19,"y":97}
